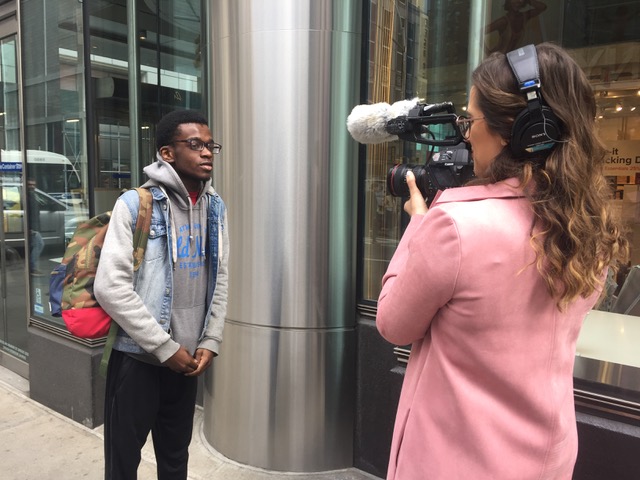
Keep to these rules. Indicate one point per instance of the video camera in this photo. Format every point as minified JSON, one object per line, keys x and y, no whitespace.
{"x":434,"y":125}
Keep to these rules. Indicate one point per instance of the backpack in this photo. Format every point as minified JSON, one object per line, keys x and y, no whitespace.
{"x":71,"y":283}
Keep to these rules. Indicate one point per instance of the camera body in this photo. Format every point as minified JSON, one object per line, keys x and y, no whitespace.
{"x":435,"y":125}
{"x":451,"y":167}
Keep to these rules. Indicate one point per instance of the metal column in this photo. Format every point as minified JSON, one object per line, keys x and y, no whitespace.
{"x":285,"y":77}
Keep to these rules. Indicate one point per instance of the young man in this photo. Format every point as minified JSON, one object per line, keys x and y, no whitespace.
{"x":171,"y":311}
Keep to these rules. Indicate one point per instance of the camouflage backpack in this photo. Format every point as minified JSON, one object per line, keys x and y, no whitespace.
{"x":71,"y":283}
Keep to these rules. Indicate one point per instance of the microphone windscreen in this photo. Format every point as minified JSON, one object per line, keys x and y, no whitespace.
{"x":403,"y":107}
{"x":367,"y":123}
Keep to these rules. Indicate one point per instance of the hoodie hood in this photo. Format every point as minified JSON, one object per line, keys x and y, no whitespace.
{"x":162,"y":175}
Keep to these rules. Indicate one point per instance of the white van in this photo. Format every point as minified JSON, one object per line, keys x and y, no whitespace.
{"x":53,"y":172}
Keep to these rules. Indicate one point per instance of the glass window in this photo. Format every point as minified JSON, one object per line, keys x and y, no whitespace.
{"x":170,"y":76}
{"x":54,"y":118}
{"x":62,"y":125}
{"x":604,"y":38}
{"x":13,"y":306}
{"x":409,"y":56}
{"x":412,"y":52}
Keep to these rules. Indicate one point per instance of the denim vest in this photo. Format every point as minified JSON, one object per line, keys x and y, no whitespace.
{"x":154,"y":279}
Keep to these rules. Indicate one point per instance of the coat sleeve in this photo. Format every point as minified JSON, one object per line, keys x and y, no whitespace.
{"x":213,"y":334}
{"x":113,"y":288}
{"x":420,"y":279}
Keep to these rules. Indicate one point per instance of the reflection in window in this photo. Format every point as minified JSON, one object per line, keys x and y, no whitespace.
{"x":408,"y":58}
{"x":54,"y":107}
{"x":62,"y":124}
{"x":13,"y":331}
{"x":9,"y":127}
{"x":413,"y":53}
{"x":170,"y":77}
{"x":608,"y":362}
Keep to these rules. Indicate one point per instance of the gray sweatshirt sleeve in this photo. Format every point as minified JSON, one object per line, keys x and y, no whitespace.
{"x":213,"y":335}
{"x":113,"y":288}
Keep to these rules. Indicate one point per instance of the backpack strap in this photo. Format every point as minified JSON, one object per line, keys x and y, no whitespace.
{"x":108,"y":347}
{"x":140,"y":238}
{"x":143,"y":226}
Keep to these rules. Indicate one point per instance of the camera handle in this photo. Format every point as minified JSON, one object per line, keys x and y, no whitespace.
{"x":412,"y":128}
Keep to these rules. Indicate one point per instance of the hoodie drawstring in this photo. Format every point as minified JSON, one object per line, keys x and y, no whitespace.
{"x":173,"y":234}
{"x":165,"y":177}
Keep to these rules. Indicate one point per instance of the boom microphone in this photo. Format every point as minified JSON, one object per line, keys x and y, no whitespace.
{"x":368,"y":123}
{"x":434,"y":124}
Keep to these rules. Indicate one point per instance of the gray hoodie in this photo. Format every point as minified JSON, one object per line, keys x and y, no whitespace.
{"x":188,"y":225}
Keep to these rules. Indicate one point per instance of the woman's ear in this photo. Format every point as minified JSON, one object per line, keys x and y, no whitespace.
{"x":167,"y":154}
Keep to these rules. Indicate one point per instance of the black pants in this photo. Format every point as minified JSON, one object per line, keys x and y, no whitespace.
{"x":141,"y":398}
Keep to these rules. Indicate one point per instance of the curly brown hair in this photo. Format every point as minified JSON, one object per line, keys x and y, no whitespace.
{"x":575,"y":235}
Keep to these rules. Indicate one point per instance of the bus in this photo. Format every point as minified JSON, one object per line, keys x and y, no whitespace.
{"x":52,"y":172}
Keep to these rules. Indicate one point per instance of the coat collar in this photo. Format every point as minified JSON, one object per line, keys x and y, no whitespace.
{"x":505,"y":189}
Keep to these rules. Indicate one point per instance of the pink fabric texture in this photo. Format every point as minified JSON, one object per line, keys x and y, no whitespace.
{"x":488,"y":391}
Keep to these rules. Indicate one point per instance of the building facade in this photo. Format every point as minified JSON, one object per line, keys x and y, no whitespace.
{"x":304,"y":382}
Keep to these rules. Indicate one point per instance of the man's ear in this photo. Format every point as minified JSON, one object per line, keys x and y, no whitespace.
{"x":167,"y":154}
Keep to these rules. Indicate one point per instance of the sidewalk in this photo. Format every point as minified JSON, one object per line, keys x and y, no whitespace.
{"x":38,"y":443}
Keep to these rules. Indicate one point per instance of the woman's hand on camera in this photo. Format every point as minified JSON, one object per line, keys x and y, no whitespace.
{"x":416,"y":204}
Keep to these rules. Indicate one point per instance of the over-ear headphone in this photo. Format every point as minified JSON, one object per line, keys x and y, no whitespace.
{"x":536,"y":128}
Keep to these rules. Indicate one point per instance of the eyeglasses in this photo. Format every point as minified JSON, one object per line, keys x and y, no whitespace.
{"x":198,"y":145}
{"x":464,"y":125}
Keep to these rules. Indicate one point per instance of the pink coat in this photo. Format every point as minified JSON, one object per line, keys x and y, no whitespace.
{"x":488,"y":391}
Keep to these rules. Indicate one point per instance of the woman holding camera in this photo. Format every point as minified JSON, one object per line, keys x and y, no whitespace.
{"x":491,"y":285}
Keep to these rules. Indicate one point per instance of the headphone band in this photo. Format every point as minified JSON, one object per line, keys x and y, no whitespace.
{"x":524,"y":63}
{"x":536,"y":129}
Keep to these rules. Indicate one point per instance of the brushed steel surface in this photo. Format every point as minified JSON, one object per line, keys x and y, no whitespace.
{"x":280,"y":172}
{"x":282,"y":399}
{"x":285,"y":77}
{"x":608,"y":373}
{"x":273,"y":107}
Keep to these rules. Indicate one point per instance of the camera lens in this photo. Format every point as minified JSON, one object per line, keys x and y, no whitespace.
{"x":397,"y":182}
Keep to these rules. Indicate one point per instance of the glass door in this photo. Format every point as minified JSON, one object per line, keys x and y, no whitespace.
{"x":13,"y":251}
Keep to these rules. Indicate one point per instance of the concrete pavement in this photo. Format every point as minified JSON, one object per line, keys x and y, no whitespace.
{"x":38,"y":443}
